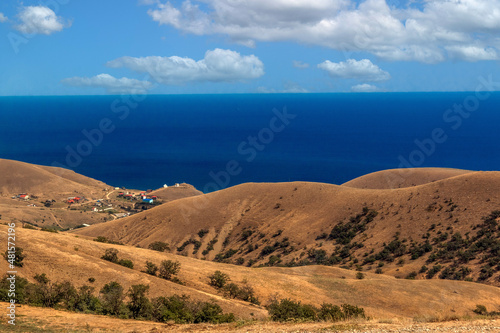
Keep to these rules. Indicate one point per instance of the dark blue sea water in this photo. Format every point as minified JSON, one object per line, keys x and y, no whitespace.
{"x":212,"y":141}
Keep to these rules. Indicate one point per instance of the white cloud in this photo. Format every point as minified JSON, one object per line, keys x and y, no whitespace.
{"x":39,"y":20}
{"x":472,"y":53}
{"x":111,"y":84}
{"x":352,"y":69}
{"x":217,"y":66}
{"x":408,"y":34}
{"x":365,"y":87}
{"x":3,"y":18}
{"x":300,"y":64}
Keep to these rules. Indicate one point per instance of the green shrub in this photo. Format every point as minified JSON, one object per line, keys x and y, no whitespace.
{"x":433,"y":271}
{"x":15,"y":258}
{"x":182,"y":311}
{"x":218,"y":280}
{"x":112,"y":297}
{"x":202,"y":233}
{"x":480,"y":310}
{"x":139,"y":305}
{"x":286,"y":309}
{"x":360,"y":276}
{"x":20,"y":289}
{"x":168,"y":268}
{"x":159,"y":246}
{"x":49,"y":229}
{"x":126,"y":263}
{"x":111,"y":255}
{"x":102,"y":239}
{"x":151,"y":268}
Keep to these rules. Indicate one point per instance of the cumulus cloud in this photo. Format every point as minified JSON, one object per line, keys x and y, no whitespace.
{"x":351,"y":69}
{"x":472,"y":53}
{"x":300,"y":64}
{"x":111,"y":84}
{"x":3,"y":18}
{"x":365,"y":87}
{"x":411,"y":34}
{"x":39,"y":20}
{"x":217,"y":66}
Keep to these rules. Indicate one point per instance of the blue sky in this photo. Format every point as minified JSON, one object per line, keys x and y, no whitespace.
{"x":68,"y":47}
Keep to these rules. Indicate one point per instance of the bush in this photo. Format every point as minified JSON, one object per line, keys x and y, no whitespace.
{"x":20,"y":289}
{"x":168,"y":268}
{"x":111,"y":255}
{"x":480,"y":310}
{"x":139,"y":305}
{"x":287,"y":309}
{"x":433,"y":271}
{"x":181,"y":310}
{"x":102,"y":239}
{"x":218,"y":280}
{"x":360,"y":276}
{"x":112,"y":299}
{"x":202,"y":233}
{"x":49,"y":229}
{"x":127,"y":263}
{"x":330,"y":312}
{"x":159,"y":246}
{"x":15,"y":258}
{"x":151,"y":268}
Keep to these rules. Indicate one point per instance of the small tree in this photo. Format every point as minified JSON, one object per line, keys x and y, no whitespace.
{"x":139,"y":305}
{"x":168,"y":268}
{"x":151,"y":268}
{"x":112,"y":298}
{"x":111,"y":255}
{"x":231,"y":290}
{"x":219,"y":279}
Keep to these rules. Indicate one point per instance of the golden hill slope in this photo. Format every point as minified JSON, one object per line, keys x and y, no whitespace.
{"x":46,"y":182}
{"x":293,"y":218}
{"x":400,"y":178}
{"x":173,"y":193}
{"x":68,"y":257}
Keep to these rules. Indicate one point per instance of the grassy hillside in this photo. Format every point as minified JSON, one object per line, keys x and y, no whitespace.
{"x":69,"y":257}
{"x":440,"y":225}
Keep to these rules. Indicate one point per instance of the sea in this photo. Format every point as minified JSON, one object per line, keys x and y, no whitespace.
{"x":216,"y":141}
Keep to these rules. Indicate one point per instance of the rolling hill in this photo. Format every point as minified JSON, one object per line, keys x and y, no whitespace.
{"x":69,"y":257}
{"x":45,"y":182}
{"x":441,"y":225}
{"x":401,"y":178}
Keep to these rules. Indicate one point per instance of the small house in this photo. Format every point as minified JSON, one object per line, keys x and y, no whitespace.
{"x":149,"y":201}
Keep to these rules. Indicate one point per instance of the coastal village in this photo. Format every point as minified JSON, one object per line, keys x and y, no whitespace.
{"x":115,"y":203}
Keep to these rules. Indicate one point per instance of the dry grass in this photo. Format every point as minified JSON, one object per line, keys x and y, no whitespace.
{"x":34,"y":320}
{"x":303,"y":211}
